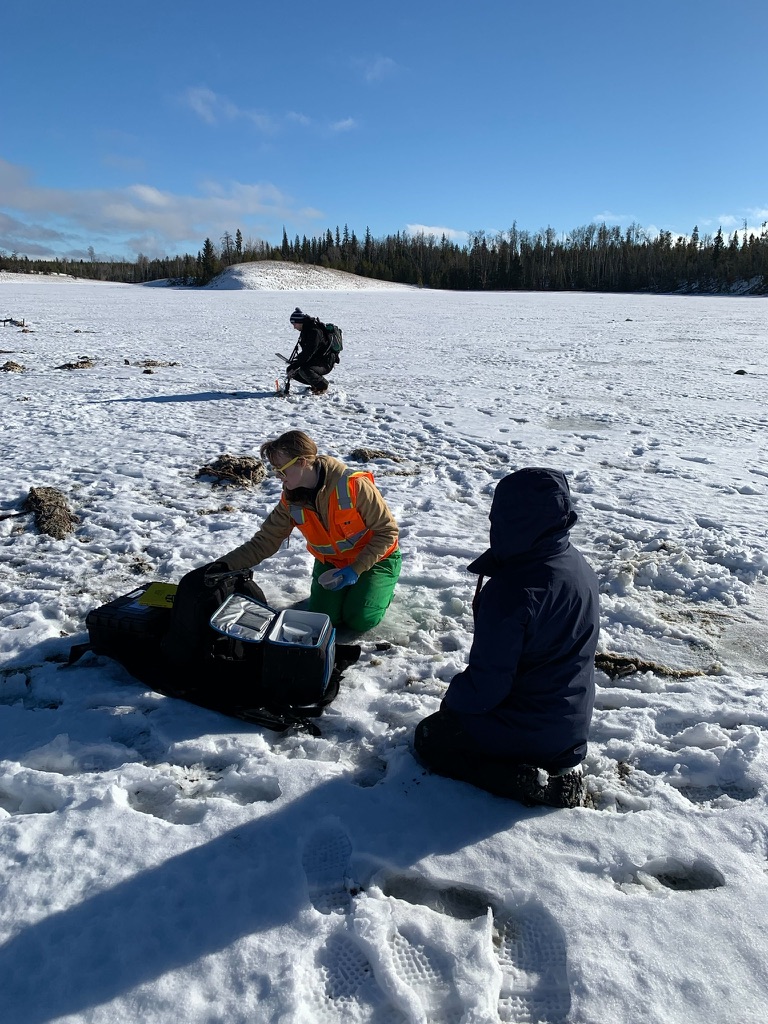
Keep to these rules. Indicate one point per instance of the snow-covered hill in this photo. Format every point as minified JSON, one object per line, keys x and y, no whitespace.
{"x":272,"y":275}
{"x":265,"y":275}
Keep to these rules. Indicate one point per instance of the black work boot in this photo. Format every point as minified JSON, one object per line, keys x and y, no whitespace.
{"x":565,"y":788}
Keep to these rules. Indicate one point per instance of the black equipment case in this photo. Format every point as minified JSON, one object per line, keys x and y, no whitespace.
{"x":124,"y":624}
{"x":277,"y":669}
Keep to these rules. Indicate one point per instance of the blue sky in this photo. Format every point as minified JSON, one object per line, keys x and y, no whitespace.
{"x":147,"y":127}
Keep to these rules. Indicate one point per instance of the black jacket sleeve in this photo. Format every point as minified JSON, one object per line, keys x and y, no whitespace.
{"x":311,"y":346}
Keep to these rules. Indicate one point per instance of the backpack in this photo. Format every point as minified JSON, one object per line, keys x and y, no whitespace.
{"x":333,"y":339}
{"x":189,"y":637}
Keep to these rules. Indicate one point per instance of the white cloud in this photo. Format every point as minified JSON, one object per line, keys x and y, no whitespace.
{"x":613,"y":218}
{"x":214,"y":108}
{"x":127,"y":164}
{"x":310,"y":213}
{"x":344,"y":126}
{"x":751,"y":219}
{"x":454,"y":234}
{"x":261,"y":121}
{"x":39,"y":221}
{"x":27,"y":238}
{"x":754,"y":217}
{"x":728,"y":222}
{"x":202,"y":102}
{"x":150,"y":196}
{"x":376,"y":70}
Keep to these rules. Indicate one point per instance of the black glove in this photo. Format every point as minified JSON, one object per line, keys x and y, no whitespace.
{"x":216,"y":568}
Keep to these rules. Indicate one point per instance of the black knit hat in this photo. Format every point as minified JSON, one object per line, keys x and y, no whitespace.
{"x":297,"y":317}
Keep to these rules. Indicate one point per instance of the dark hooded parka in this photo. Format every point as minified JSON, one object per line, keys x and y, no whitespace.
{"x":528,"y":691}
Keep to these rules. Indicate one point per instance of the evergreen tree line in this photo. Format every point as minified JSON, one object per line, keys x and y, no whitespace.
{"x":595,"y":257}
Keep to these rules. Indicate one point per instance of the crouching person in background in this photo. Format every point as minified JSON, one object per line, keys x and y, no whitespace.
{"x":515,"y":721}
{"x":346,"y":523}
{"x":312,"y":358}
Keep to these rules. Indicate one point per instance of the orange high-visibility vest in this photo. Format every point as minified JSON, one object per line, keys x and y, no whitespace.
{"x":347,"y":534}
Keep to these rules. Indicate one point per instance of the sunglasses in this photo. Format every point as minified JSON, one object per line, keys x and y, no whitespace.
{"x":281,"y":470}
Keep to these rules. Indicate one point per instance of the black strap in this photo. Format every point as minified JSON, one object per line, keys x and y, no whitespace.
{"x":278,"y":720}
{"x":328,"y":337}
{"x":476,"y":598}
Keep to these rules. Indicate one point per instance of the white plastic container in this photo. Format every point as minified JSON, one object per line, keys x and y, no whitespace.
{"x":297,"y":627}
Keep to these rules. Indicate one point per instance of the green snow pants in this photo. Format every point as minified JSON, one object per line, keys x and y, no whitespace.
{"x":361,"y":606}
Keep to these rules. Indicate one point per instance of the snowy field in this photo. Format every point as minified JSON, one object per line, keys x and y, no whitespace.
{"x":164,"y":864}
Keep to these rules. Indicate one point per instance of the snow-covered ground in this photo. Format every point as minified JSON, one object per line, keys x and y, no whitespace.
{"x":162,"y":863}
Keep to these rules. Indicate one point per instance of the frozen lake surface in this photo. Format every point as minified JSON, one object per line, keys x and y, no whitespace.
{"x":164,"y":863}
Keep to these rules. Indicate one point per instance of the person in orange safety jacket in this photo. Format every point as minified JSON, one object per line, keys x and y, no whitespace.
{"x":346,"y":524}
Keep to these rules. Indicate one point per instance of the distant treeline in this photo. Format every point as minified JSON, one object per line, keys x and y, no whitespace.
{"x":590,"y":258}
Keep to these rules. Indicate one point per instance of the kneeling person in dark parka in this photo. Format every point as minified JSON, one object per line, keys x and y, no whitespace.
{"x":515,"y":721}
